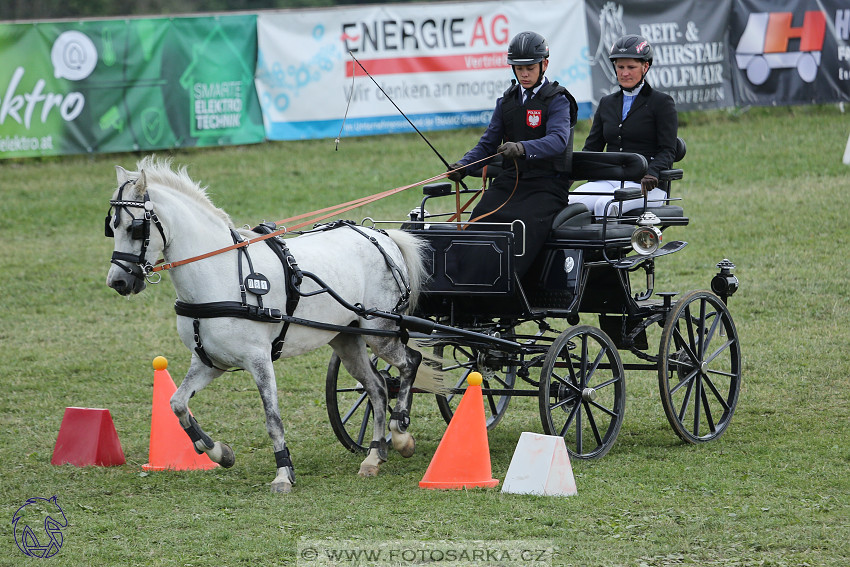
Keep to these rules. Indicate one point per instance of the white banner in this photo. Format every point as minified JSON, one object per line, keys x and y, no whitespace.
{"x":443,"y":65}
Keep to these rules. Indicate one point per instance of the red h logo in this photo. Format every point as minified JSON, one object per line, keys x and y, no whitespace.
{"x":779,"y":32}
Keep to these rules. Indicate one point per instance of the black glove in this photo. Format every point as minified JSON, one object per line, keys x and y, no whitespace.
{"x":457,"y":172}
{"x":648,"y":183}
{"x":512,"y":150}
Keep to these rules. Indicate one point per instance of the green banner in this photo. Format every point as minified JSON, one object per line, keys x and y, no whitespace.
{"x":128,"y":85}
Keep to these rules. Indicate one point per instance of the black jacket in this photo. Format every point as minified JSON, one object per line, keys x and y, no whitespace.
{"x":649,"y":129}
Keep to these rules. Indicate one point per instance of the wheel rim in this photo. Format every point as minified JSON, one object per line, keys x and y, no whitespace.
{"x":699,"y":369}
{"x":582,"y":391}
{"x":349,"y":409}
{"x":460,"y":361}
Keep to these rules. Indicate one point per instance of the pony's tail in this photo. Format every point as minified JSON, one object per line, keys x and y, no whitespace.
{"x":430,"y":375}
{"x":411,"y":250}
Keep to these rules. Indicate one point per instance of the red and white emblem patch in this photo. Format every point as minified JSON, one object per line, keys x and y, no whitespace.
{"x":533,"y":118}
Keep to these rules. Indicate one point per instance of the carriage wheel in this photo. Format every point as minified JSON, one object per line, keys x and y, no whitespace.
{"x":459,"y":362}
{"x":583,"y":391}
{"x":699,"y":368}
{"x":349,"y":408}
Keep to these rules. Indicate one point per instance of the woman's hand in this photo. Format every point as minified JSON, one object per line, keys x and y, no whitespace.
{"x":648,"y":183}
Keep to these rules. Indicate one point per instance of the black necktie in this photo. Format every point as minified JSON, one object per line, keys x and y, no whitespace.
{"x":528,"y":94}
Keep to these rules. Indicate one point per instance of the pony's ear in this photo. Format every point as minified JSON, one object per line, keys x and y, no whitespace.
{"x":141,"y":185}
{"x":122,"y":174}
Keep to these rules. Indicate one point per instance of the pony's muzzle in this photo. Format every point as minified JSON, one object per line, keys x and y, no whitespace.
{"x":126,"y":283}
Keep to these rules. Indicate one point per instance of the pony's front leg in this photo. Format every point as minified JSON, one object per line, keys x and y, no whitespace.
{"x":197,"y":378}
{"x":263,"y":373}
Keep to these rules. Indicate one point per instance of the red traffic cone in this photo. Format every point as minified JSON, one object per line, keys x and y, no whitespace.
{"x":87,"y":436}
{"x":170,"y":447}
{"x":462,"y":459}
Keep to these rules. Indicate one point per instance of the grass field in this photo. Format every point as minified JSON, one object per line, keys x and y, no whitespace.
{"x":765,"y":188}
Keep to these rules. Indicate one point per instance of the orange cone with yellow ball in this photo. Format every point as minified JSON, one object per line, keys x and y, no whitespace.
{"x":462,"y":459}
{"x":170,"y":447}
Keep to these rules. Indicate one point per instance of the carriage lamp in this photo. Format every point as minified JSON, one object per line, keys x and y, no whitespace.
{"x":724,"y":284}
{"x":647,"y":237}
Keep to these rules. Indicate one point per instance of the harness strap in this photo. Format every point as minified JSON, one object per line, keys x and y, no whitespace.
{"x":403,"y":285}
{"x":199,"y":346}
{"x":267,"y":315}
{"x":382,"y":447}
{"x":292,"y":276}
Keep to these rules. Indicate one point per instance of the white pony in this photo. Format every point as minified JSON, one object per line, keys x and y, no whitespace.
{"x":232,"y":306}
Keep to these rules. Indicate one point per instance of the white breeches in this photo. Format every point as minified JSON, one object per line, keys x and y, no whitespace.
{"x":603,"y":191}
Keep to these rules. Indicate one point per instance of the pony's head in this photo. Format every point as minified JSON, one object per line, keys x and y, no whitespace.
{"x":138,"y":234}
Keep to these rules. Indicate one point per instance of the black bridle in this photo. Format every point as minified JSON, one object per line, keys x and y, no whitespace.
{"x":140,"y":229}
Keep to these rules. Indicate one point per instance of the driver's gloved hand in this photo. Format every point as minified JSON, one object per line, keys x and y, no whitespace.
{"x":512,"y":150}
{"x":648,"y":183}
{"x":456,"y":171}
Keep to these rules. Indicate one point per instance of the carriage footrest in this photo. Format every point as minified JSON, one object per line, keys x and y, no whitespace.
{"x":632,"y":261}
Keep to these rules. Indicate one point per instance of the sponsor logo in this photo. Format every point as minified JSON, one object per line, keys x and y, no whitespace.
{"x":766,"y":44}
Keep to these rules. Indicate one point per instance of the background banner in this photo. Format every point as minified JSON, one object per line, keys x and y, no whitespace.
{"x":798,"y":53}
{"x":127,"y":85}
{"x":691,"y":61}
{"x":444,"y":66}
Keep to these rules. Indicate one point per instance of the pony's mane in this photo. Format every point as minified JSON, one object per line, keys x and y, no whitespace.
{"x":159,"y":171}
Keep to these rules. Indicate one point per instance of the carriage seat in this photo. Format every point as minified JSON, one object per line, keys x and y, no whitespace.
{"x":575,"y":222}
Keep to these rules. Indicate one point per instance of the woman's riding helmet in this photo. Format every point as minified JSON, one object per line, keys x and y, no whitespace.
{"x":631,"y":47}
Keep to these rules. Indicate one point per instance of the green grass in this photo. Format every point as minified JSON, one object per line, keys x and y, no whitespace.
{"x":765,"y":188}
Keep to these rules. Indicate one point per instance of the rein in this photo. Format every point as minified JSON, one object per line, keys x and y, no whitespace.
{"x":312,"y":217}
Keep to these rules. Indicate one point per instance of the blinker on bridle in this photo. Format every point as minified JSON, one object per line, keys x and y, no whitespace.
{"x":140,"y":229}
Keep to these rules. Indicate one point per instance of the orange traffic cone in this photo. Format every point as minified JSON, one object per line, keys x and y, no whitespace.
{"x":170,"y":447}
{"x":87,"y":436}
{"x":462,"y":459}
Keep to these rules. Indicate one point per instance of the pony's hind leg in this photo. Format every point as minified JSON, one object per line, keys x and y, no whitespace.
{"x":197,"y":378}
{"x":406,"y":360}
{"x":263,"y":373}
{"x":352,"y":352}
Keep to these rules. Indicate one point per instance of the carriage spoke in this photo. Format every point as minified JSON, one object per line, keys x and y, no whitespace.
{"x":682,"y":344}
{"x":689,"y":380}
{"x":715,"y":320}
{"x":592,"y":423}
{"x":698,"y":396}
{"x":356,"y":405}
{"x":717,"y":394}
{"x":364,"y":424}
{"x":573,"y":414}
{"x":602,"y":408}
{"x":686,"y":400}
{"x":719,"y":350}
{"x":579,"y":430}
{"x":708,"y":416}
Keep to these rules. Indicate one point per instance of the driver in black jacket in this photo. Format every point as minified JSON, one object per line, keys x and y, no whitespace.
{"x":532,"y":127}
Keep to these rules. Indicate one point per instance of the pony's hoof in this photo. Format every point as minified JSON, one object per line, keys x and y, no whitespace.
{"x":227,"y":458}
{"x":368,"y":470}
{"x":407,"y":448}
{"x":284,"y":487}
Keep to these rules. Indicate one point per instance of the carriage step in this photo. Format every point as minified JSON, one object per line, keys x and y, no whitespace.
{"x":632,"y":261}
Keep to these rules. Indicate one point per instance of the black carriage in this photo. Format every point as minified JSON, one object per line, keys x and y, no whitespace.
{"x":526,"y":336}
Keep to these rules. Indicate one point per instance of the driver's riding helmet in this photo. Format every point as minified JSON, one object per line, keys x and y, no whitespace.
{"x":527,"y":48}
{"x":631,"y":46}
